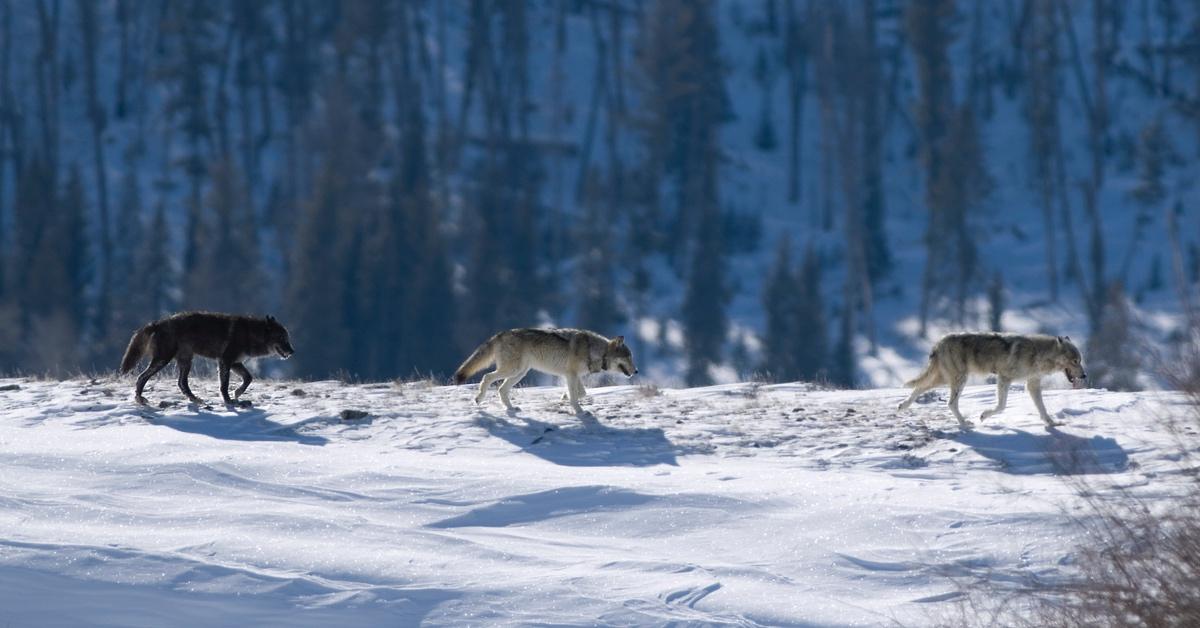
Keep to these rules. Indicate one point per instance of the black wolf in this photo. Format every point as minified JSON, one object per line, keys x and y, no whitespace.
{"x":226,"y":338}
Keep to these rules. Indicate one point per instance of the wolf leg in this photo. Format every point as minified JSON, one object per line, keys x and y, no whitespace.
{"x":957,"y":382}
{"x":507,"y":385}
{"x":580,"y":393}
{"x":575,"y":392}
{"x":154,"y":367}
{"x":223,"y":372}
{"x":917,"y":391}
{"x":1002,"y":384}
{"x":243,"y":373}
{"x":1034,"y":386}
{"x":920,"y":387}
{"x":488,"y":379}
{"x":185,"y":369}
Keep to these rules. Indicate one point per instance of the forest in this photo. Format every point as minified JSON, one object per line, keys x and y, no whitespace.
{"x":396,"y":180}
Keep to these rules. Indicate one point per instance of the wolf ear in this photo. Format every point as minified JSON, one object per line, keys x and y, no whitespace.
{"x":270,"y":319}
{"x":1060,"y":339}
{"x":618,"y":341}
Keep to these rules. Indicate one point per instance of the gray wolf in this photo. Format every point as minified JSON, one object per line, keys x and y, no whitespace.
{"x":1008,"y":357}
{"x":569,"y":353}
{"x":226,"y":338}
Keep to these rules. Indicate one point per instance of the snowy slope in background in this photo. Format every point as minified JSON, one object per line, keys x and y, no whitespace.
{"x":739,"y":504}
{"x":1008,"y":228}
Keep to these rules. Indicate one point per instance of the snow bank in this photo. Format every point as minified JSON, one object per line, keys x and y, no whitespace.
{"x":741,"y":504}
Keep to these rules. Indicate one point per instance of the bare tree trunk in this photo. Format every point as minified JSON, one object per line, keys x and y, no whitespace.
{"x":48,"y":81}
{"x":797,"y":68}
{"x":7,"y":139}
{"x":1095,"y":101}
{"x":598,"y":90}
{"x":90,"y":32}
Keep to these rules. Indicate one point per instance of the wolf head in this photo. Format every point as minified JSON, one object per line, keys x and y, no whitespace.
{"x":618,"y":357}
{"x":1070,"y":360}
{"x":278,"y":339}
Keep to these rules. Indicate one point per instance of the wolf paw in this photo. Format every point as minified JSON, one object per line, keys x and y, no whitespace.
{"x":142,"y":400}
{"x":966,"y":426}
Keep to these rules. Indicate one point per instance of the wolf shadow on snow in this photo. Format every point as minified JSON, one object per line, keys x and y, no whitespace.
{"x":585,"y":443}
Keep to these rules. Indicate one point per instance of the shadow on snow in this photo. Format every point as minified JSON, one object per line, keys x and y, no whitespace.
{"x":248,"y":424}
{"x":585,"y":443}
{"x":1055,"y":452}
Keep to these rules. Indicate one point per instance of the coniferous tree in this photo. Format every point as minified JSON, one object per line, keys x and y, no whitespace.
{"x":128,"y":302}
{"x":703,"y":314}
{"x":156,"y":276}
{"x":1113,"y":352}
{"x":225,"y":276}
{"x":597,"y":285}
{"x":55,"y":279}
{"x":810,"y":341}
{"x":781,"y":298}
{"x":320,"y":294}
{"x":682,"y":82}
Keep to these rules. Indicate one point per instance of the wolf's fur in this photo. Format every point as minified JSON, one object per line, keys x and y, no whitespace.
{"x":226,"y":338}
{"x":569,"y":353}
{"x":1008,"y":357}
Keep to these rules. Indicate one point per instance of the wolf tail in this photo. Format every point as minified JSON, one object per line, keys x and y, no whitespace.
{"x":930,"y":372}
{"x":480,"y":359}
{"x":137,"y":348}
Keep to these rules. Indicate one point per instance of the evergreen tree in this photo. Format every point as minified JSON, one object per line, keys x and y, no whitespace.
{"x":810,"y":339}
{"x":128,"y":303}
{"x":781,"y":298}
{"x":225,"y":275}
{"x":681,"y":76}
{"x":156,"y":277}
{"x":54,"y":280}
{"x":321,"y":305}
{"x":1113,"y":352}
{"x":707,"y":295}
{"x":597,"y":285}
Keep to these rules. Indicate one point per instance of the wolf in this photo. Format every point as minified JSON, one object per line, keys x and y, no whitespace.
{"x":227,"y":338}
{"x":569,"y":353}
{"x":1008,"y":357}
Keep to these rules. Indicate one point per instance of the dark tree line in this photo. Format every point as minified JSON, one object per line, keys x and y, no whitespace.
{"x":398,"y":179}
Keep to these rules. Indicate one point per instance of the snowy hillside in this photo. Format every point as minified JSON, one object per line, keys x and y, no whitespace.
{"x":736,"y":504}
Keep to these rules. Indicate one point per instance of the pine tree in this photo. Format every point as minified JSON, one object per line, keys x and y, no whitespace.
{"x":324,"y":271}
{"x":155,"y":275}
{"x":681,"y":78}
{"x":781,"y":299}
{"x":128,"y":309}
{"x":56,"y":276}
{"x":1113,"y":352}
{"x":225,"y":275}
{"x":703,"y":314}
{"x":810,"y":342}
{"x":597,"y":285}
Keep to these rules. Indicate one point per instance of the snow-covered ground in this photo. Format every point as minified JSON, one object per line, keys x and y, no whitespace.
{"x":739,"y":504}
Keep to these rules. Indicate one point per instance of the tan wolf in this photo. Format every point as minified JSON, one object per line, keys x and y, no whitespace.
{"x":569,"y":353}
{"x":1008,"y":357}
